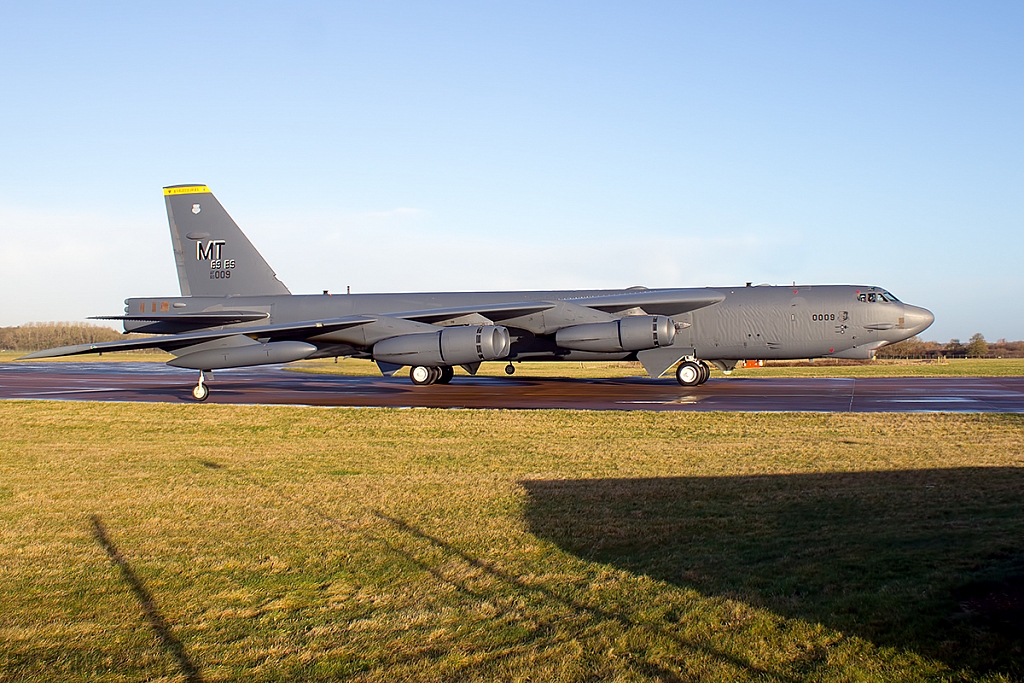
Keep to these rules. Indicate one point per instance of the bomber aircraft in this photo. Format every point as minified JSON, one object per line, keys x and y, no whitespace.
{"x":234,"y":312}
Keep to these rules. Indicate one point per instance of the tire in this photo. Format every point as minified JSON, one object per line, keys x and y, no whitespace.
{"x":421,"y":375}
{"x":510,"y":369}
{"x":200,"y":392}
{"x":705,"y":372}
{"x":447,"y":373}
{"x":688,"y":373}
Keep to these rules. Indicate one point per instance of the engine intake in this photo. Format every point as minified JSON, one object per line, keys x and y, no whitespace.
{"x":448,"y":346}
{"x":632,"y":333}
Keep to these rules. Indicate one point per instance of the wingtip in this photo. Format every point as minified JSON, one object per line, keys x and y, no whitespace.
{"x":60,"y":351}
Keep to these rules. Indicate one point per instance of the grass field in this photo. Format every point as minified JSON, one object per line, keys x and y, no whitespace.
{"x":206,"y":542}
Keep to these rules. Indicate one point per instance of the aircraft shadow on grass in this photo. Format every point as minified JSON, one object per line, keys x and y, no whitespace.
{"x":925,"y":560}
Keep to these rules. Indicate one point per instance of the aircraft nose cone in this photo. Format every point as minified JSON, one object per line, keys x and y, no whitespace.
{"x":916,"y":319}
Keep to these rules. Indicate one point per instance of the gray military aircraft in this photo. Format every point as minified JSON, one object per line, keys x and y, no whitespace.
{"x":234,"y":312}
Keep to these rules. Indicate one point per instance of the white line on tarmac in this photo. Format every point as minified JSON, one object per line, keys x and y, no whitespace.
{"x":69,"y":391}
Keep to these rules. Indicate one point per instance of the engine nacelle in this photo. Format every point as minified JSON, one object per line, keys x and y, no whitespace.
{"x":632,"y":333}
{"x":241,"y":356}
{"x":448,"y":346}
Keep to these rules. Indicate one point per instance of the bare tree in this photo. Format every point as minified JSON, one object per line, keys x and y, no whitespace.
{"x":977,"y":347}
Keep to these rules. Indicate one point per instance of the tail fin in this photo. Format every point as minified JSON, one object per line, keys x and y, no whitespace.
{"x":213,"y":256}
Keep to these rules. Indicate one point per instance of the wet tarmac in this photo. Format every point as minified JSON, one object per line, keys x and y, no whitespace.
{"x":273,"y":385}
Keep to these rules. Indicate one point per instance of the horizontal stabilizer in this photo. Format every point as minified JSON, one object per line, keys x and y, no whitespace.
{"x":193,"y":319}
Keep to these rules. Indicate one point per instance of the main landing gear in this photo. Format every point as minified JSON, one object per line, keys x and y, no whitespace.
{"x":200,"y":391}
{"x":421,"y":375}
{"x":691,"y":373}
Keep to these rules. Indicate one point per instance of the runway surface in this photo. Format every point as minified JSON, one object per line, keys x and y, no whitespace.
{"x":155,"y":382}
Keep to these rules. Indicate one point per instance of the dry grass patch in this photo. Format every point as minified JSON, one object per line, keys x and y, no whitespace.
{"x":957,"y":367}
{"x":302,"y":543}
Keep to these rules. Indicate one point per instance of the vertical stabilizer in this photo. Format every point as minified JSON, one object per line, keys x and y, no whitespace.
{"x":213,"y":256}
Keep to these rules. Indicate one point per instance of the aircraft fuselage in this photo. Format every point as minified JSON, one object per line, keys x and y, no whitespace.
{"x":762,"y":322}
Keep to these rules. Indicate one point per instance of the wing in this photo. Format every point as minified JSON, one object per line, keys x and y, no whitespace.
{"x":544,"y":317}
{"x":172,"y":342}
{"x":653,"y":301}
{"x":492,"y":312}
{"x":538,"y":317}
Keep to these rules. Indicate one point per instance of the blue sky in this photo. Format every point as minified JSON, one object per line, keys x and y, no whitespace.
{"x":418,"y":146}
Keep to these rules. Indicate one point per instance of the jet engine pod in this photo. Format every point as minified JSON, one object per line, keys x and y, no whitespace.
{"x":241,"y":356}
{"x":632,"y":333}
{"x":448,"y":346}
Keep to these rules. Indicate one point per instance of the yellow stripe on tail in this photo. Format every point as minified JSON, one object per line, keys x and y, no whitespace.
{"x":185,"y":189}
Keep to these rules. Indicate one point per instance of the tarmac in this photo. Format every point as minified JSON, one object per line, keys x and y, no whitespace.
{"x":273,"y":385}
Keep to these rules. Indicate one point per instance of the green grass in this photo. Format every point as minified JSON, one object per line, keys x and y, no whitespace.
{"x":187,"y":542}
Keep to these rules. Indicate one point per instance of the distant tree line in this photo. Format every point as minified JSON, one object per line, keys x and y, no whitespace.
{"x":976,"y":347}
{"x":36,"y":336}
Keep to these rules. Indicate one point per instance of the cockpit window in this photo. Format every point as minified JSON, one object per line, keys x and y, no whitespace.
{"x":877,"y":297}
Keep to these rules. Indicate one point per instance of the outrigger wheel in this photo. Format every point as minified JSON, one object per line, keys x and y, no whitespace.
{"x":510,"y":369}
{"x":689,"y":373}
{"x":200,"y":391}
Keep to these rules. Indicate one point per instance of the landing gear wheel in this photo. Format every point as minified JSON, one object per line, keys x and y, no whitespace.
{"x":688,"y":373}
{"x":421,"y":375}
{"x":200,"y":391}
{"x":510,"y":369}
{"x":435,"y":374}
{"x":447,"y":372}
{"x":705,"y":372}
